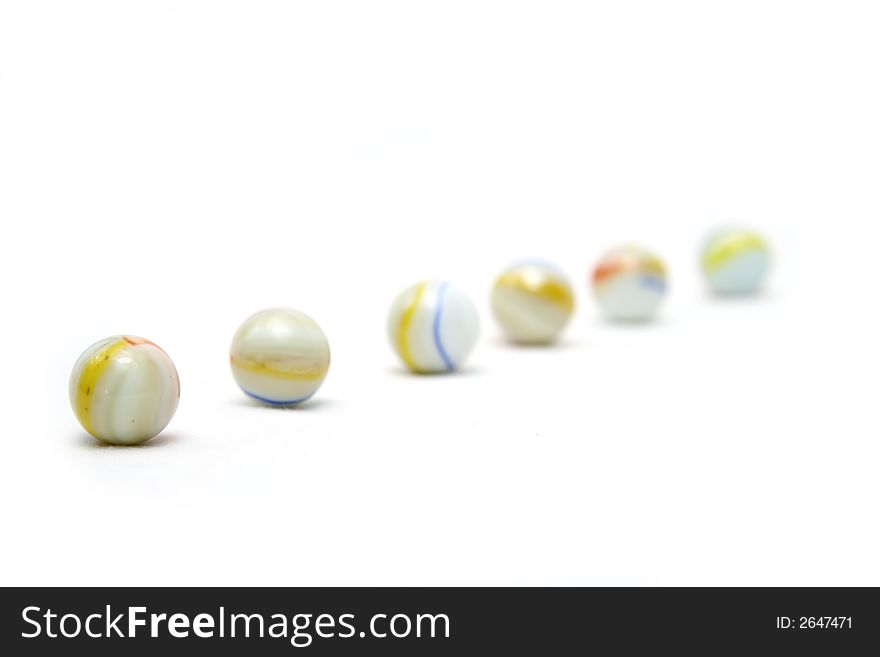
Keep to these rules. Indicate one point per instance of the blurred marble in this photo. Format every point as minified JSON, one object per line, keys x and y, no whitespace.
{"x":629,"y":284}
{"x":735,"y":261}
{"x":532,"y":301}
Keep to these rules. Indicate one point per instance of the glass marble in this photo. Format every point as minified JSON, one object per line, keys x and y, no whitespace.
{"x":124,"y":390}
{"x":629,"y":284}
{"x":735,"y":261}
{"x":279,"y":356}
{"x":433,"y":326}
{"x":532,"y":301}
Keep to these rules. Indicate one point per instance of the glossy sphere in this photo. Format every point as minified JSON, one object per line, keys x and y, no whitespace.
{"x":735,"y":261}
{"x":629,"y":284}
{"x":124,"y":390}
{"x":279,"y":356}
{"x":533,"y":302}
{"x":433,"y":326}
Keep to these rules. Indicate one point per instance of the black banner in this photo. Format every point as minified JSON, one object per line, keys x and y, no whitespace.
{"x":446,"y":621}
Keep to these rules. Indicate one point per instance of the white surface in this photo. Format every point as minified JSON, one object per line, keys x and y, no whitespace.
{"x":168,"y":168}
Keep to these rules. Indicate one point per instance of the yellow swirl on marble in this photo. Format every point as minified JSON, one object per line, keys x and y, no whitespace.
{"x":652,"y":265}
{"x":729,"y":247}
{"x":88,"y":380}
{"x":548,"y":289}
{"x":267,"y":368}
{"x":406,"y":321}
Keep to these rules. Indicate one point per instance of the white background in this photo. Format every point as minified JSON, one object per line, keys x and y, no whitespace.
{"x":167,"y":168}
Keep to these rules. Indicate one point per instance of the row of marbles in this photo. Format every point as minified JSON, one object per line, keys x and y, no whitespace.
{"x":124,"y":390}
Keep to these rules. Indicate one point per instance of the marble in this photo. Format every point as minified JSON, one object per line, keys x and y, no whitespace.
{"x":629,"y":284}
{"x":433,"y":326}
{"x":532,"y":301}
{"x":124,"y":390}
{"x":735,"y":261}
{"x":279,"y":356}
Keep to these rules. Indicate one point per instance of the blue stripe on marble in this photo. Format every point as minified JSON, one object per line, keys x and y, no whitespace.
{"x":447,"y":361}
{"x":653,"y":283}
{"x":273,"y":402}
